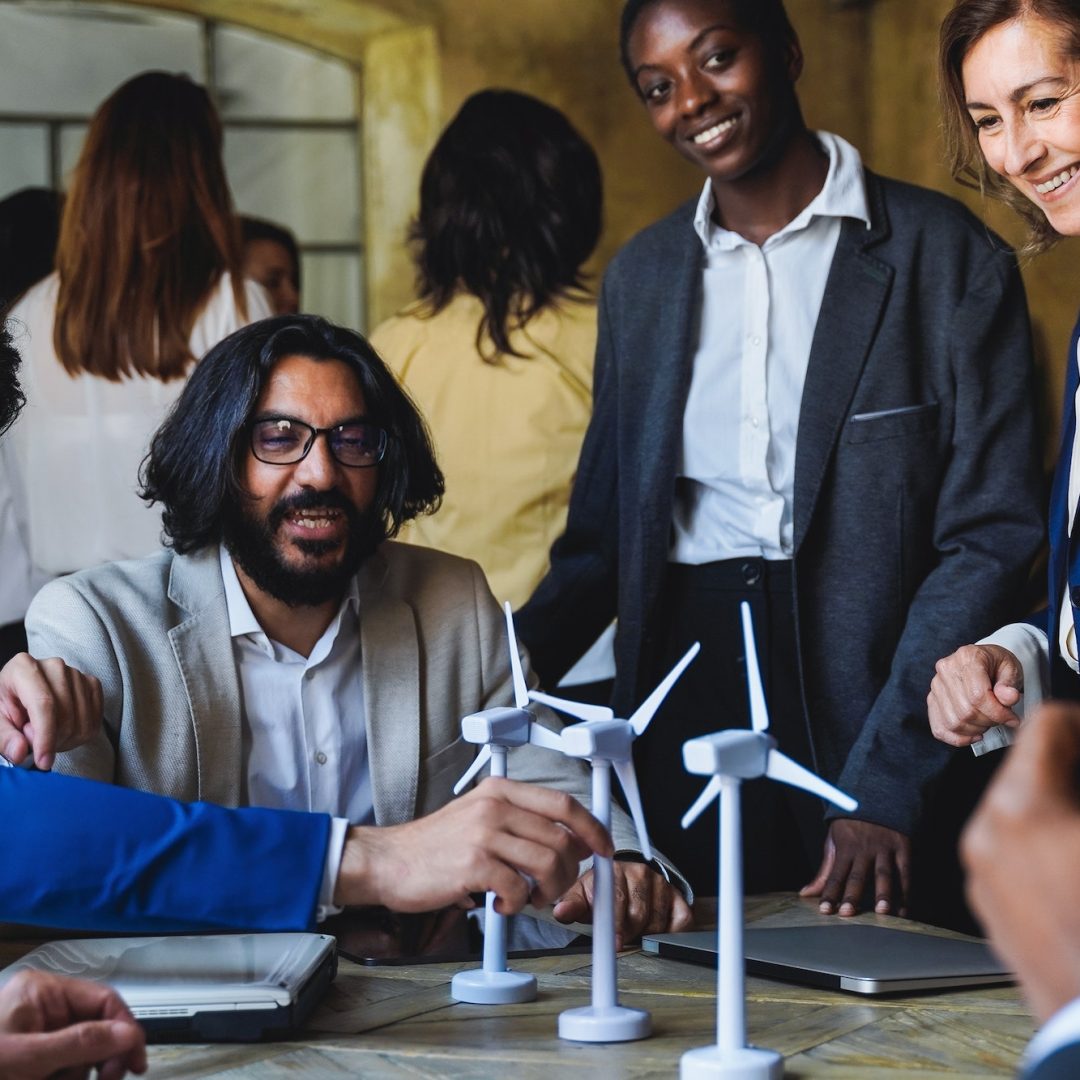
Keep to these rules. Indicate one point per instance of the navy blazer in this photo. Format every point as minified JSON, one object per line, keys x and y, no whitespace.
{"x":88,"y":856}
{"x":1064,"y":1064}
{"x":1064,"y":565}
{"x":913,"y":531}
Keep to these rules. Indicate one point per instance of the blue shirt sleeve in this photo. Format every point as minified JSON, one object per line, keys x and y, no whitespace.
{"x":89,"y":856}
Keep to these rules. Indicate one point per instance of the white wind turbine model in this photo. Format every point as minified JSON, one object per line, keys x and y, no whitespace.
{"x":496,"y":730}
{"x":730,"y":757}
{"x":607,"y":742}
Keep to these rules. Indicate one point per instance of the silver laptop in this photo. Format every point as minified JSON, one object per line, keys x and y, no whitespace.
{"x":227,"y":987}
{"x":859,"y":957}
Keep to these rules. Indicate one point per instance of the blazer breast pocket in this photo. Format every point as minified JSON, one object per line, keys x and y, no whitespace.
{"x":903,"y":422}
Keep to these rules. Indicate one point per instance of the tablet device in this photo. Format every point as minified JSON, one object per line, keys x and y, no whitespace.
{"x":212,"y":988}
{"x":857,"y":957}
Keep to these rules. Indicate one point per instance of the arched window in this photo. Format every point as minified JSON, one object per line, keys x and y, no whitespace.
{"x":291,"y":116}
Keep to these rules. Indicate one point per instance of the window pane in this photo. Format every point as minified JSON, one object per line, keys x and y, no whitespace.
{"x":67,"y":58}
{"x":307,"y":180}
{"x":24,"y":157}
{"x":72,"y":137}
{"x":332,"y":287}
{"x":259,"y":76}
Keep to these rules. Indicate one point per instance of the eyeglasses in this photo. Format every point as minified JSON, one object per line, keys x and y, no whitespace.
{"x":283,"y":441}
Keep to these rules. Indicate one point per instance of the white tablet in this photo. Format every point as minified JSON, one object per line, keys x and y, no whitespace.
{"x":208,"y":988}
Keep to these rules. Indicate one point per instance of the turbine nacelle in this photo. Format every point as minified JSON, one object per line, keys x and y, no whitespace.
{"x":607,"y":740}
{"x":504,"y":726}
{"x":738,"y":753}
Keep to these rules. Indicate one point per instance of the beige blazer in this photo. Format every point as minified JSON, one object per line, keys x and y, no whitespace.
{"x":155,"y":631}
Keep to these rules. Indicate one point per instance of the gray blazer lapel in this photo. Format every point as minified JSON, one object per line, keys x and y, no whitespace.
{"x":202,"y":645}
{"x":390,"y":655}
{"x":656,"y":393}
{"x":855,"y":295}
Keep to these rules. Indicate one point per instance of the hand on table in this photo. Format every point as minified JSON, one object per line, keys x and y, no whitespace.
{"x":46,"y":707}
{"x":1021,"y":851}
{"x":52,"y":1026}
{"x":859,"y":856}
{"x":491,"y":839}
{"x":972,"y":691}
{"x":644,"y":903}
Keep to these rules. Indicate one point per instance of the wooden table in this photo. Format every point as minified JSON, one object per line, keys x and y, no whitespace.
{"x":396,"y":1023}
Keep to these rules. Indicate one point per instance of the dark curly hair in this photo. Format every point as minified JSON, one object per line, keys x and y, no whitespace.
{"x":194,"y":462}
{"x":766,"y":18}
{"x":510,"y":208}
{"x":11,"y":396}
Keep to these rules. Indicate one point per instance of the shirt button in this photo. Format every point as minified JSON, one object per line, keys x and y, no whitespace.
{"x":755,"y":340}
{"x":309,"y":675}
{"x":754,"y":422}
{"x":320,"y":757}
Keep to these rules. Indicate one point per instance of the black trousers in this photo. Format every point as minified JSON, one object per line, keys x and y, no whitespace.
{"x":783,"y":828}
{"x":12,"y":641}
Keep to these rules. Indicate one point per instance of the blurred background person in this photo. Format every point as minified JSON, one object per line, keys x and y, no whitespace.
{"x":148,"y":277}
{"x":29,"y":227}
{"x":272,"y":258}
{"x":498,"y":350}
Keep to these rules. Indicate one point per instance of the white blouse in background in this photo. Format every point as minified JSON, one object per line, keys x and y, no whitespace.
{"x":69,"y":468}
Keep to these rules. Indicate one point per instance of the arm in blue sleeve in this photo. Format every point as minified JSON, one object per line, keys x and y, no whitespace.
{"x":84,"y":855}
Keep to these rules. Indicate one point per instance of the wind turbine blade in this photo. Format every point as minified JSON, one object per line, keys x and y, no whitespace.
{"x":545,"y":737}
{"x":781,"y":767}
{"x":759,"y":711}
{"x":521,"y":691}
{"x":624,"y":770}
{"x":573,"y":708}
{"x":479,"y":762}
{"x":711,"y":790}
{"x":644,"y":713}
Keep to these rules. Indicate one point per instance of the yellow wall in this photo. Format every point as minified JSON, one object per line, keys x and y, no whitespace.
{"x":869,"y":76}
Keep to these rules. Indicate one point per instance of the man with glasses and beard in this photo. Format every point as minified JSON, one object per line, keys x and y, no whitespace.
{"x":284,"y":654}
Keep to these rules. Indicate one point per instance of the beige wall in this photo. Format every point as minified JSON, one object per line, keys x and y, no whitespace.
{"x":869,"y":76}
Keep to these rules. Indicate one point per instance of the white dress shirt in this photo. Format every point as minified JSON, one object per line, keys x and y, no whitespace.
{"x":304,"y":735}
{"x":69,"y":469}
{"x":759,"y":310}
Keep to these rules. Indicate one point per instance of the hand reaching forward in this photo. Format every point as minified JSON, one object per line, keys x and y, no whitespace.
{"x":494,"y":838}
{"x":45,"y":707}
{"x":66,"y":1027}
{"x":859,"y":856}
{"x":973,"y":690}
{"x":1021,"y":851}
{"x":644,"y":903}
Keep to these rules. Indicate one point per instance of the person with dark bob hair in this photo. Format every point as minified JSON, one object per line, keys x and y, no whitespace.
{"x":193,"y":468}
{"x":813,"y":395}
{"x":285,"y":653}
{"x":272,"y":258}
{"x":498,"y":350}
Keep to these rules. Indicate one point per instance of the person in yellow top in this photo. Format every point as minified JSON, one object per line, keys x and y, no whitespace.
{"x":498,"y":350}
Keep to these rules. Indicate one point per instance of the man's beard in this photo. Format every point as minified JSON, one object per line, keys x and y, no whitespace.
{"x":250,"y":540}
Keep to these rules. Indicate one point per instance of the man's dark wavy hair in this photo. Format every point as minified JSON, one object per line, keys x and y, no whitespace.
{"x":11,"y":396}
{"x":195,"y":459}
{"x":766,"y":18}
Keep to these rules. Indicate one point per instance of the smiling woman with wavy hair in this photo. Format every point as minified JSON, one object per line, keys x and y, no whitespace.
{"x":147,"y":280}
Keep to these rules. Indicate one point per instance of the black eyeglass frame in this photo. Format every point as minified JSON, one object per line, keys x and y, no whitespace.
{"x":314,"y":433}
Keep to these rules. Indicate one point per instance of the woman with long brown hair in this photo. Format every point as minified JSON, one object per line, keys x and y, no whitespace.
{"x":148,"y":278}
